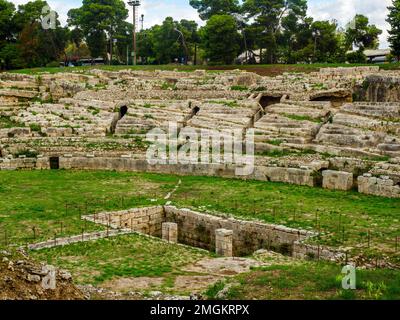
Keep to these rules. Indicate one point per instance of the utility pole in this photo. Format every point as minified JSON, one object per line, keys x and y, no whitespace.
{"x":181,"y":36}
{"x":142,"y":21}
{"x":134,"y":4}
{"x":316,"y":35}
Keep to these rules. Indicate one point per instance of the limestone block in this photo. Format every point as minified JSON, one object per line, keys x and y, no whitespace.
{"x":170,"y":232}
{"x":223,"y":242}
{"x":337,"y":180}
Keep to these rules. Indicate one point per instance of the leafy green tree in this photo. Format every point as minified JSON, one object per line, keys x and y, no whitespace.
{"x":394,"y":32}
{"x":191,"y":36}
{"x":356,"y":57}
{"x":7,"y":25}
{"x":8,"y":48}
{"x":208,"y":8}
{"x":165,"y":42}
{"x":220,"y":39}
{"x":10,"y":57}
{"x":38,"y":46}
{"x":271,"y":19}
{"x":99,"y":20}
{"x":361,"y":34}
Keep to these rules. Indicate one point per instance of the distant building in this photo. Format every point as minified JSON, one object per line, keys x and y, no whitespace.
{"x":249,"y":57}
{"x":376,"y":56}
{"x":83,"y":62}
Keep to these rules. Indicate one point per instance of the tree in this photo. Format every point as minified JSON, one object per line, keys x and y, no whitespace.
{"x":361,"y":34}
{"x":7,"y":25}
{"x":10,"y":57}
{"x":208,"y":8}
{"x":38,"y":46}
{"x":7,"y":39}
{"x":165,"y":42}
{"x":220,"y":39}
{"x":99,"y":19}
{"x":191,"y":36}
{"x":271,"y":19}
{"x":394,"y":32}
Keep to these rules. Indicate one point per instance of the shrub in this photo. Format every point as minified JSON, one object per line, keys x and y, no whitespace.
{"x":356,"y":57}
{"x":26,"y":153}
{"x":35,"y":127}
{"x":239,"y":88}
{"x":53,"y":64}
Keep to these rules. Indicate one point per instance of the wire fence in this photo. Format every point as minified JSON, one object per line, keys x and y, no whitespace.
{"x":364,"y":244}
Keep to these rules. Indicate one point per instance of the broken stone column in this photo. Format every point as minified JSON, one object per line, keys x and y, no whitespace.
{"x":170,"y":232}
{"x":223,"y":242}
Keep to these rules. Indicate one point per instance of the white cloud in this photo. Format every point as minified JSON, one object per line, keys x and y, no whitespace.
{"x":345,"y":10}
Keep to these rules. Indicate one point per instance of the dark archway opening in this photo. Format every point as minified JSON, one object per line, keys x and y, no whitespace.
{"x":123,"y":111}
{"x":196,"y":110}
{"x":268,"y":100}
{"x":54,"y":163}
{"x":336,"y":101}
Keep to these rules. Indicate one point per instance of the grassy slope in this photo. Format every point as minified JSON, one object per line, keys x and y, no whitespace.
{"x":270,"y":70}
{"x":126,"y":256}
{"x":311,"y":281}
{"x":37,"y":199}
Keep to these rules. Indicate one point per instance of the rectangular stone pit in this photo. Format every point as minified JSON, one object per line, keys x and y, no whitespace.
{"x":226,"y":236}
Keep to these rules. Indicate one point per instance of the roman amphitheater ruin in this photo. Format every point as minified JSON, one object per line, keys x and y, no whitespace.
{"x":337,"y":129}
{"x":330,"y":126}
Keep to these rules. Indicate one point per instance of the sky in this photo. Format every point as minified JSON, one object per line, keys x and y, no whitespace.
{"x":156,"y":11}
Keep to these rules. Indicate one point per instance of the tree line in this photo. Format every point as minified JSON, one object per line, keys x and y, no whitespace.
{"x":268,"y":31}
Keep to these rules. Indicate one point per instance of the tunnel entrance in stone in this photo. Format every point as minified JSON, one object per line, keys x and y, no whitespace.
{"x":268,"y":100}
{"x":121,"y":114}
{"x":54,"y":163}
{"x":335,"y":100}
{"x":195,"y":111}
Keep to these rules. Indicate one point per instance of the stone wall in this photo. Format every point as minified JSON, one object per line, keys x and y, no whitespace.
{"x":298,"y":176}
{"x":78,"y":238}
{"x":383,"y":186}
{"x":335,"y":180}
{"x":23,"y":163}
{"x":313,"y":252}
{"x":226,"y":236}
{"x":382,"y":88}
{"x":144,"y":220}
{"x":199,"y":230}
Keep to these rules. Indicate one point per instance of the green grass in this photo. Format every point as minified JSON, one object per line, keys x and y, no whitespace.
{"x":275,"y":142}
{"x":37,"y":199}
{"x":303,"y":118}
{"x":311,"y":281}
{"x":239,"y":88}
{"x":276,"y":153}
{"x":6,"y":123}
{"x":125,"y":256}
